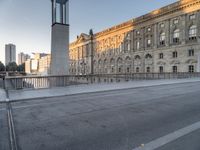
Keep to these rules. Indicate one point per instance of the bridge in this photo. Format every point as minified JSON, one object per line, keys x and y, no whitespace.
{"x":101,"y":112}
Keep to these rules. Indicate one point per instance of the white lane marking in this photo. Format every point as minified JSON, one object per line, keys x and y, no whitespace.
{"x":169,"y":138}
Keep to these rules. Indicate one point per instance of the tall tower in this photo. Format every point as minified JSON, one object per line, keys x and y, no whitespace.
{"x":10,"y":53}
{"x":60,"y":37}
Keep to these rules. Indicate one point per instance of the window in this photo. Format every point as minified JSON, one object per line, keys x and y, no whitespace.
{"x":191,"y":52}
{"x":121,"y":47}
{"x":176,"y":36}
{"x":112,"y":70}
{"x":174,"y":54}
{"x":128,"y":36}
{"x":162,"y":25}
{"x":174,"y":69}
{"x":162,"y":38}
{"x":137,"y":69}
{"x":148,"y":43}
{"x":192,"y":17}
{"x":138,"y":45}
{"x":148,"y":69}
{"x":161,"y":55}
{"x":127,"y":69}
{"x":191,"y":68}
{"x":161,"y":69}
{"x":176,"y":21}
{"x":129,"y":46}
{"x":193,"y":32}
{"x":119,"y":70}
{"x":137,"y":57}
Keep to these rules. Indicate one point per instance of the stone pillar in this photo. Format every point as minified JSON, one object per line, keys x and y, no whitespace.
{"x":156,"y":36}
{"x":60,"y":39}
{"x":167,"y":29}
{"x":183,"y":29}
{"x":198,"y":27}
{"x":198,"y":64}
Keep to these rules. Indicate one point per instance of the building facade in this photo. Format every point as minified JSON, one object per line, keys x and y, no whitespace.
{"x":39,"y":64}
{"x":22,"y":58}
{"x":164,"y":40}
{"x":10,"y":53}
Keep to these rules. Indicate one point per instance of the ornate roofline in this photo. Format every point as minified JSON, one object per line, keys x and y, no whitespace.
{"x":177,"y":6}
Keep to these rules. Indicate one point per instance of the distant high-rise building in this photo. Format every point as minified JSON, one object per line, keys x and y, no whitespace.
{"x":22,"y":58}
{"x":10,"y":53}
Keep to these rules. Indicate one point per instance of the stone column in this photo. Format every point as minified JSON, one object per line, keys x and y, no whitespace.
{"x":198,"y":27}
{"x":183,"y":29}
{"x":167,"y":29}
{"x":156,"y":35}
{"x":198,"y":64}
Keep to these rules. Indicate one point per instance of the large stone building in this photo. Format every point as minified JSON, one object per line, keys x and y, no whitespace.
{"x":164,"y":40}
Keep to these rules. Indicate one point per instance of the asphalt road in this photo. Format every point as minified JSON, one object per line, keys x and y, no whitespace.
{"x":115,"y":120}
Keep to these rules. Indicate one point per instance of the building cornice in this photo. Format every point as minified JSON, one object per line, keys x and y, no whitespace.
{"x":181,"y":5}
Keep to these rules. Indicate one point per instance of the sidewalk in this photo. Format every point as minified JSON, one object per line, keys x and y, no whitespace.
{"x":2,"y":95}
{"x":80,"y":89}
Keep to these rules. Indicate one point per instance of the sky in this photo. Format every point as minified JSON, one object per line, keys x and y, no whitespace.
{"x":27,"y":23}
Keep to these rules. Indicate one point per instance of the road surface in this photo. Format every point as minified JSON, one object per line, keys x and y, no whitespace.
{"x":114,"y":120}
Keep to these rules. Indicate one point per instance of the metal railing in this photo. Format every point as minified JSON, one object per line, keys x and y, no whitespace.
{"x":37,"y":82}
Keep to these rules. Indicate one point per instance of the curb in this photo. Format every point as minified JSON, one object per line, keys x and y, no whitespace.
{"x":109,"y":90}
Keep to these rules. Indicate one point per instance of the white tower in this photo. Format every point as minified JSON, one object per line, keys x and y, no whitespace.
{"x":60,"y":37}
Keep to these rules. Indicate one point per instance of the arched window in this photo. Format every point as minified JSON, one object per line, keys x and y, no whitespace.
{"x":174,"y":69}
{"x":138,"y":45}
{"x":162,"y":38}
{"x":129,"y":46}
{"x":137,"y":70}
{"x":148,"y":56}
{"x":137,"y":57}
{"x":148,"y":69}
{"x":176,"y":36}
{"x":99,"y":62}
{"x":127,"y":69}
{"x":193,"y":32}
{"x":148,"y":43}
{"x":161,"y":69}
{"x":121,"y":47}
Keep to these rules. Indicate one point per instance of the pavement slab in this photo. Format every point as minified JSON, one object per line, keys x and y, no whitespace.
{"x":78,"y":89}
{"x":4,"y":134}
{"x":2,"y":95}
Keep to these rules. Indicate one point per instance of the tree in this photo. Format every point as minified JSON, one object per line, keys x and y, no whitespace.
{"x":12,"y":66}
{"x":2,"y":67}
{"x":21,"y":68}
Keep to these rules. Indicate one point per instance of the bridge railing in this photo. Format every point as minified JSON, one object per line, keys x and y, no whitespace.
{"x":38,"y":82}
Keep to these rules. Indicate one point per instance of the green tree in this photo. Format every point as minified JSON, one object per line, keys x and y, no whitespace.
{"x":2,"y":67}
{"x":12,"y":66}
{"x":21,"y":68}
